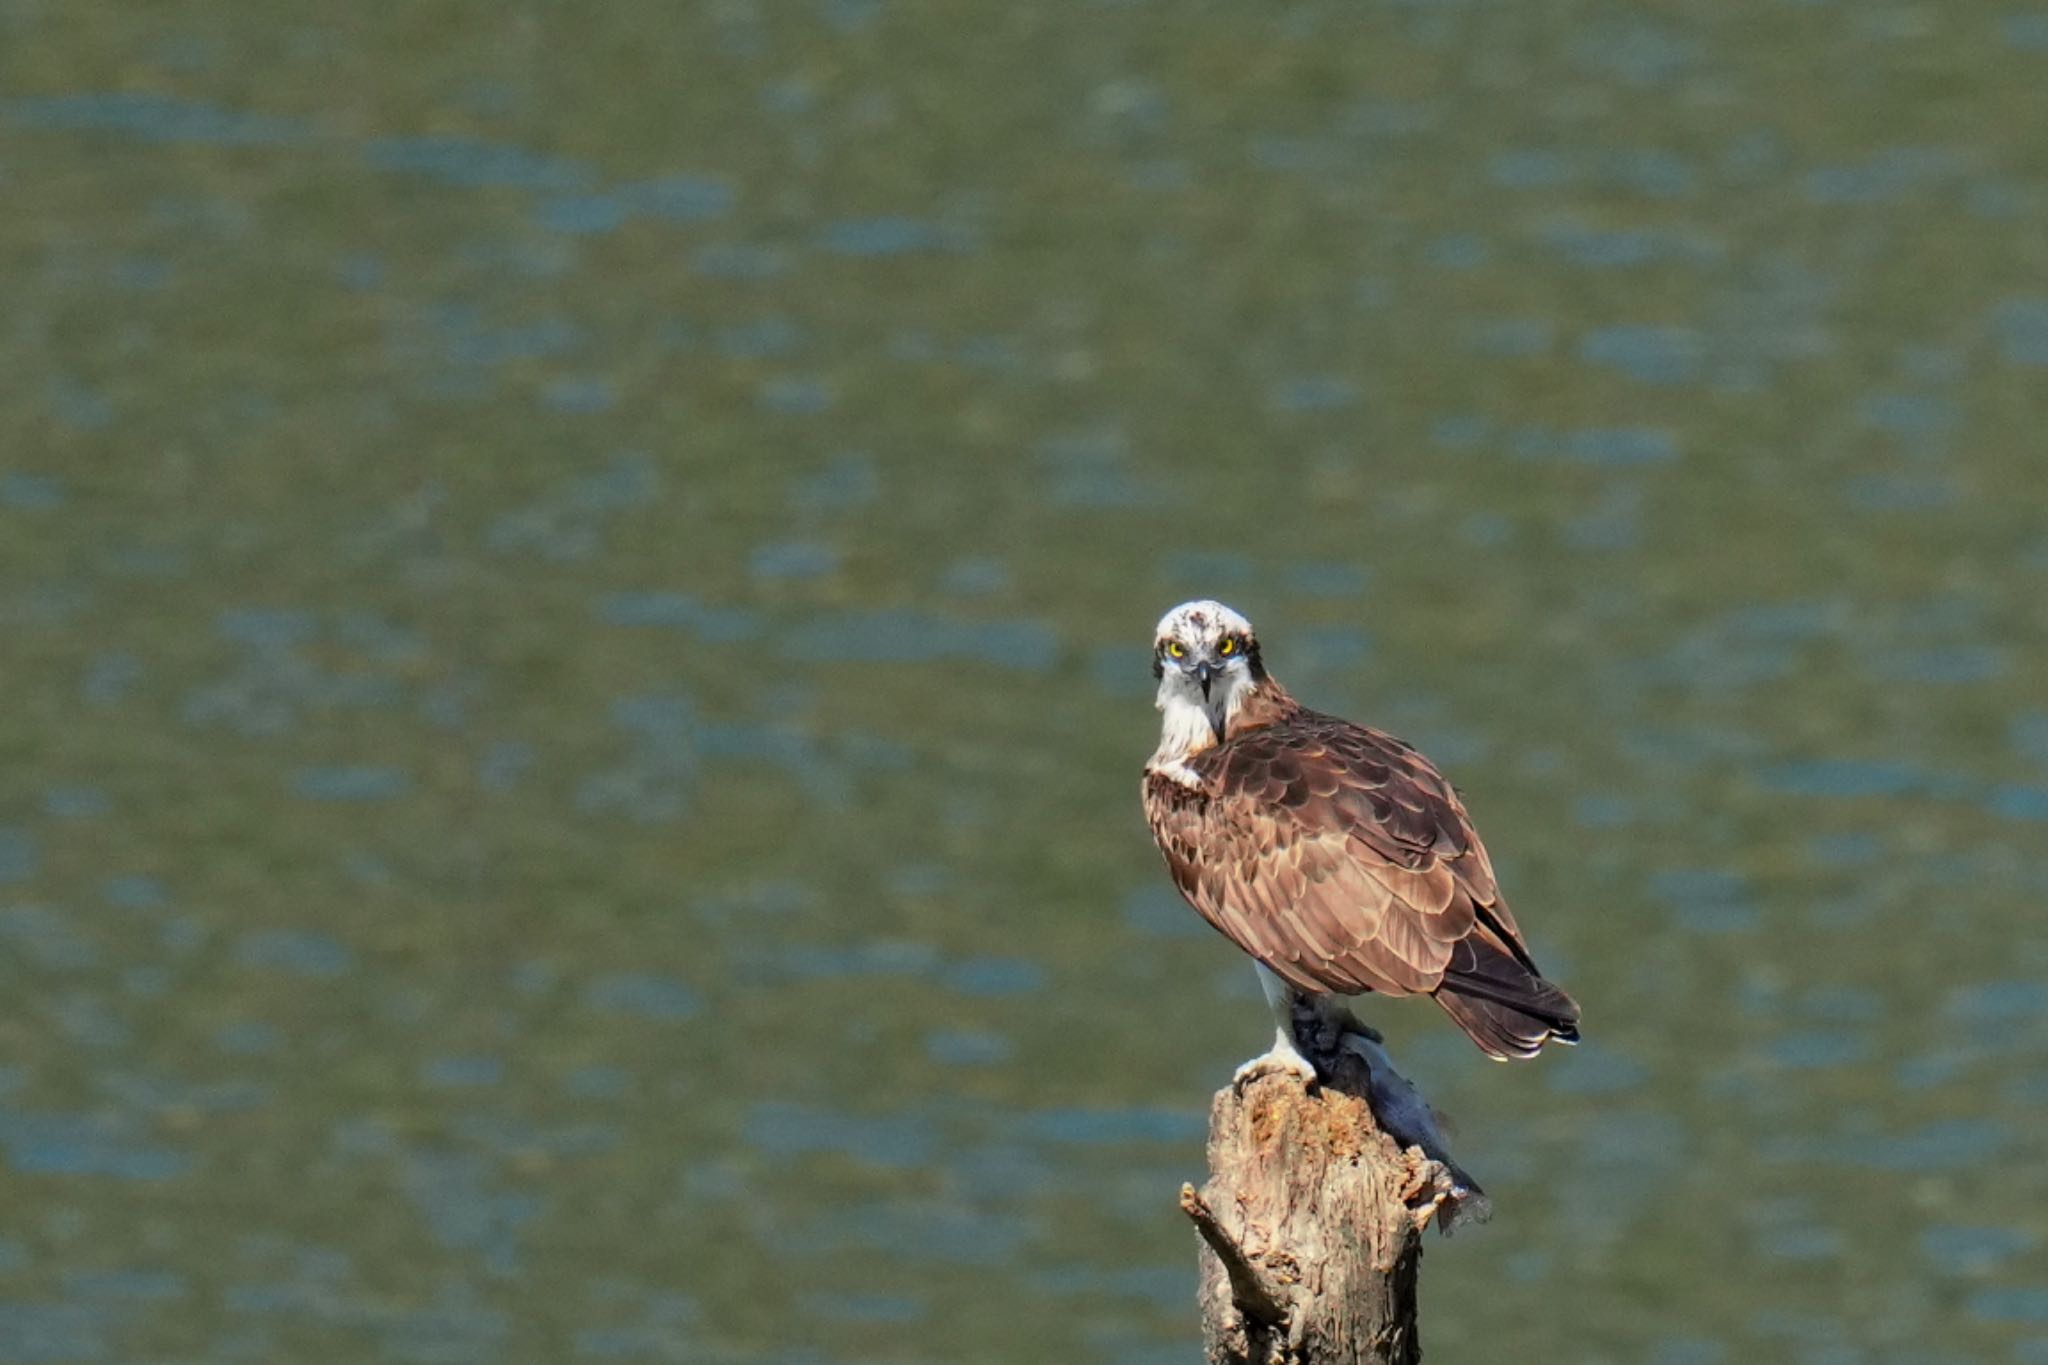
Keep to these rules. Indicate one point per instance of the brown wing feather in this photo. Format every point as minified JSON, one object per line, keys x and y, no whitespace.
{"x":1340,"y":858}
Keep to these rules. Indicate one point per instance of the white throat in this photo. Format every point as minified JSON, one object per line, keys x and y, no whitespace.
{"x":1184,"y":727}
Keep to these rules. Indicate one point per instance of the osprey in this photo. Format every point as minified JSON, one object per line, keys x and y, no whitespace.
{"x":1334,"y":854}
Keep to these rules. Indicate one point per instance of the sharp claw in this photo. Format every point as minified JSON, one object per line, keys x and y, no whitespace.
{"x":1291,"y":1063}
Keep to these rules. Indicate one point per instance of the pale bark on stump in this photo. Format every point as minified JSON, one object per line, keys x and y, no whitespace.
{"x":1311,"y":1224}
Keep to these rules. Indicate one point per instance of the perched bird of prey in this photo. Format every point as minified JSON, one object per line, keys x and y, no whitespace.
{"x":1334,"y":854}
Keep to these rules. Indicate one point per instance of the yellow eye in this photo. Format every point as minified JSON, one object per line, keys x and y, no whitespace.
{"x":1176,"y":649}
{"x":1228,"y":647}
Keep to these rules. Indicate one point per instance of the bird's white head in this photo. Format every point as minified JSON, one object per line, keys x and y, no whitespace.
{"x":1206,"y":658}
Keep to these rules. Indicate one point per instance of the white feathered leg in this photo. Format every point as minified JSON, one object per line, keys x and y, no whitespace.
{"x":1285,"y":1055}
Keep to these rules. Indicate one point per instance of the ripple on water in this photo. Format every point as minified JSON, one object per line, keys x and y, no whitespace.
{"x":1842,"y":777}
{"x":54,"y":1331}
{"x":471,"y":163}
{"x":351,"y":783}
{"x":1707,"y":900}
{"x":1114,"y":1127}
{"x":904,"y":636}
{"x":641,"y":995}
{"x":2022,"y":329}
{"x":154,"y":118}
{"x":20,"y":855}
{"x":995,"y":977}
{"x":911,"y":1230}
{"x":863,"y":1308}
{"x":303,"y":952}
{"x":960,"y":1047}
{"x":2010,"y":1303}
{"x":1649,"y":355}
{"x":85,"y":1144}
{"x":1971,"y":1250}
{"x":1159,"y":912}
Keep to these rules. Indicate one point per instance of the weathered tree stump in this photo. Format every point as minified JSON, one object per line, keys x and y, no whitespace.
{"x":1311,"y":1221}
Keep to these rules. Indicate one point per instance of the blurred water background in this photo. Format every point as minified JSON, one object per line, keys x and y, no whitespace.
{"x":575,"y":583}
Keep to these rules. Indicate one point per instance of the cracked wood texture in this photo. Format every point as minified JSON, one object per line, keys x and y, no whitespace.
{"x":1311,"y":1226}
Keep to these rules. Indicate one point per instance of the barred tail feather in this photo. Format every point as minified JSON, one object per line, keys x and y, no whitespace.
{"x":1504,"y":1006}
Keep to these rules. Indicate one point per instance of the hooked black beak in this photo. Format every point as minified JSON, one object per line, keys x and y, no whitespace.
{"x":1205,"y":673}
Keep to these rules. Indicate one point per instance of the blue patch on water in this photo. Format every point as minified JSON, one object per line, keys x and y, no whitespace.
{"x":1595,"y":1069}
{"x":903,"y":636}
{"x":1113,"y":1127}
{"x":1458,"y":251}
{"x":1621,"y":248}
{"x":741,"y":261}
{"x":2026,"y":32}
{"x":944,"y":1233}
{"x":677,"y":198}
{"x":1845,"y":850}
{"x":888,"y":236}
{"x":1881,"y":178}
{"x":995,"y":977}
{"x":1948,"y":1144}
{"x":794,"y":396}
{"x":1915,"y":417}
{"x":1651,"y":355}
{"x":1797,"y":1243}
{"x":109,"y":677}
{"x":577,"y":396}
{"x":1324,"y":579}
{"x":598,"y":1082}
{"x":1707,"y":900}
{"x":1159,"y":912}
{"x":582,"y":214}
{"x":1331,"y":649}
{"x":1166,"y":1287}
{"x":792,"y":559}
{"x":849,"y":479}
{"x":1959,"y":1250}
{"x":291,"y":950}
{"x":153,"y":118}
{"x":133,"y":1286}
{"x":351,"y":784}
{"x":80,"y":405}
{"x":1900,"y":492}
{"x":249,"y":1038}
{"x":1842,"y":777}
{"x":2022,"y":328}
{"x":474,"y":164}
{"x":1950,"y":664}
{"x":84,"y":1144}
{"x":46,"y":938}
{"x":675,"y":611}
{"x":31,"y":1333}
{"x":31,"y":492}
{"x":462,"y":1072}
{"x":783,"y":1129}
{"x":643,"y":995}
{"x":974,"y":576}
{"x":2015,"y":802}
{"x":1314,"y":393}
{"x":1530,"y":169}
{"x":863,"y":1308}
{"x":20,"y":855}
{"x":1999,"y":1003}
{"x":955,"y":1047}
{"x":452,"y":1191}
{"x":1818,"y":1048}
{"x":1214,"y":568}
{"x":2010,"y":1303}
{"x":761,"y":339}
